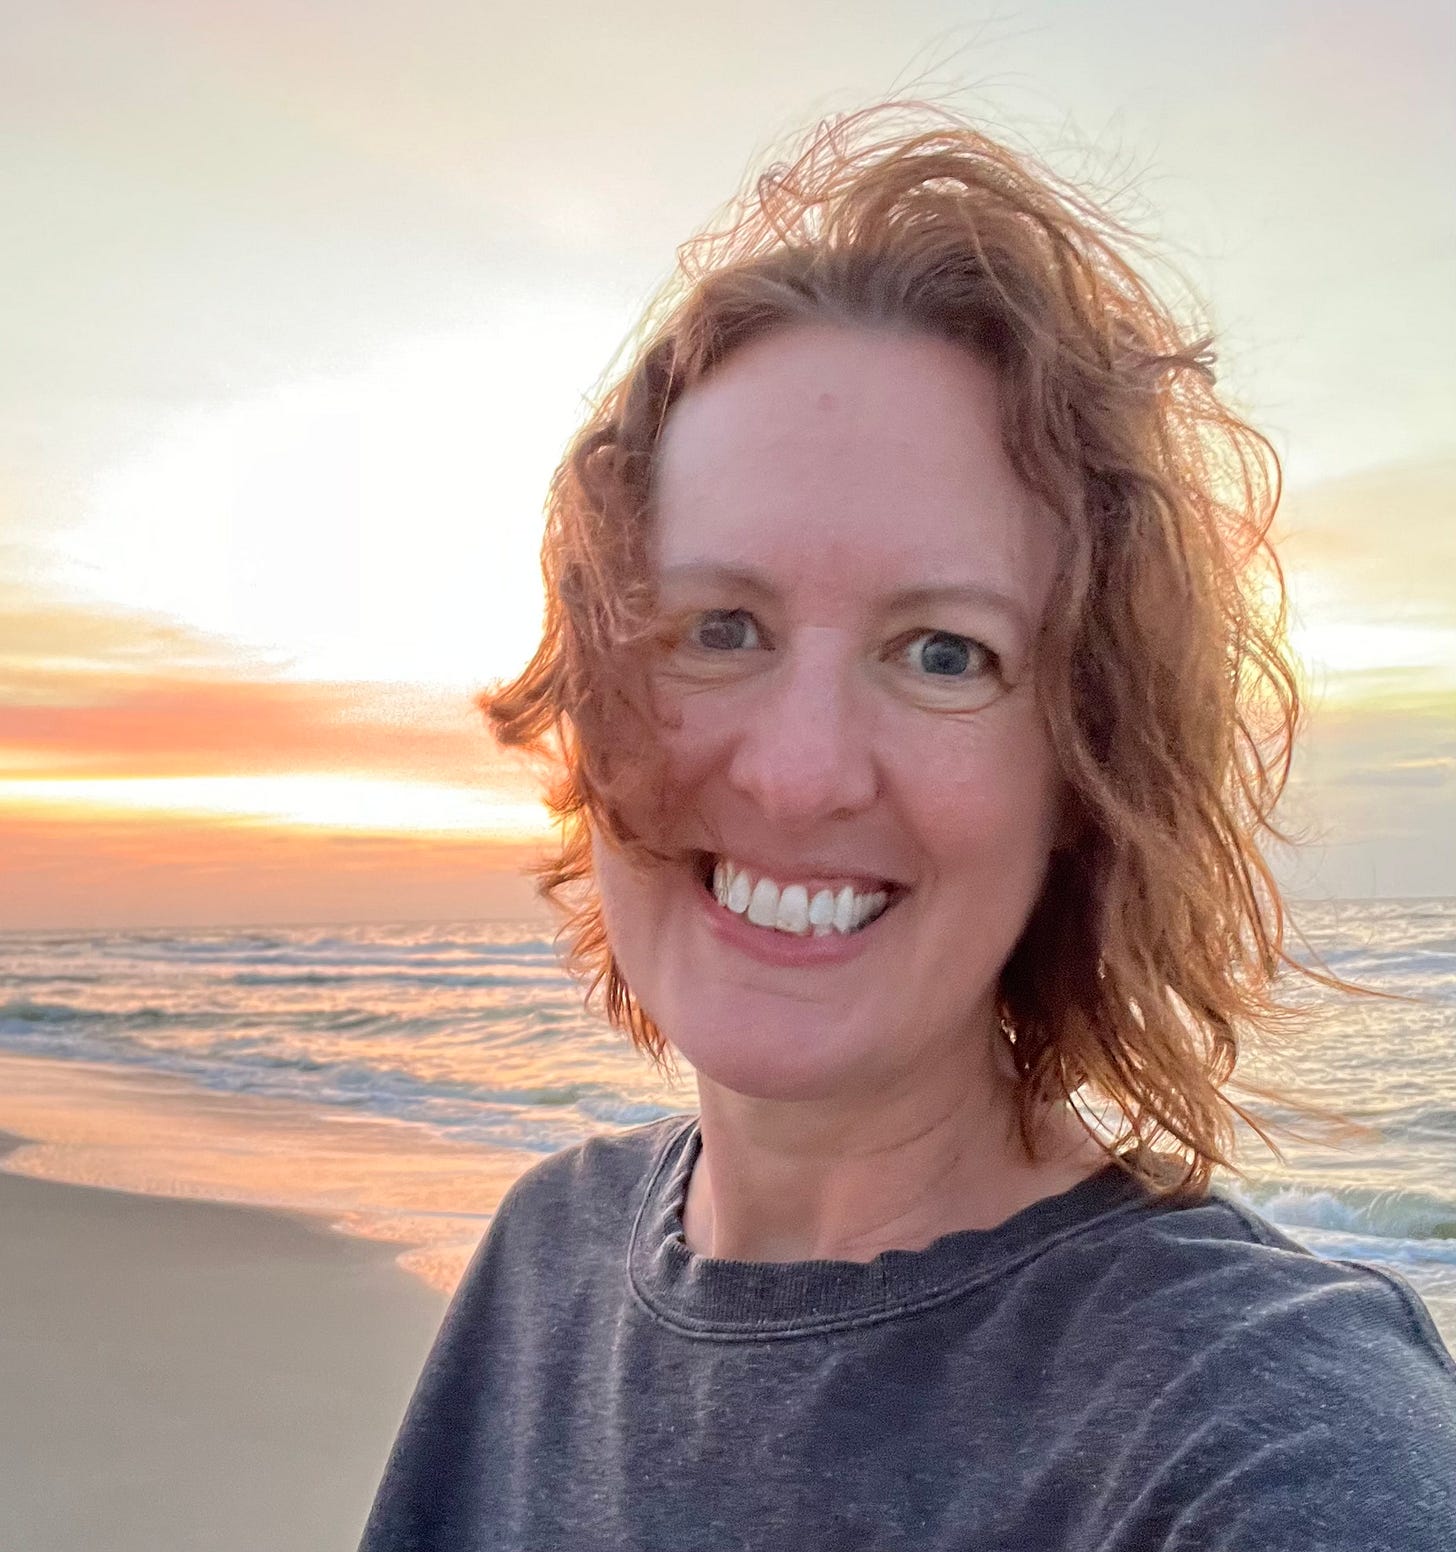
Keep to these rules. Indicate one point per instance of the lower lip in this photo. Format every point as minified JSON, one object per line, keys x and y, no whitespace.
{"x":784,"y":948}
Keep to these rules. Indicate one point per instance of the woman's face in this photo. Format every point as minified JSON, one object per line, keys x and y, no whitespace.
{"x":852,"y":579}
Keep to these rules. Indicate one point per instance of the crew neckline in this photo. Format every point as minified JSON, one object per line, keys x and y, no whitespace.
{"x":760,"y":1300}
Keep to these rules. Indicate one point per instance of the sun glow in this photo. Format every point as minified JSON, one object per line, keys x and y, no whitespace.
{"x":1341,"y":642}
{"x":1340,"y":647}
{"x":379,"y":525}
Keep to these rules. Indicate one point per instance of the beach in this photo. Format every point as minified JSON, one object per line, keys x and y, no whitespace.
{"x":244,"y":1169}
{"x":182,"y":1375}
{"x":213,"y":1307}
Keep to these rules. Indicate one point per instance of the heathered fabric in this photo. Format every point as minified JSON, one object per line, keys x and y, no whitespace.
{"x":1102,"y":1372}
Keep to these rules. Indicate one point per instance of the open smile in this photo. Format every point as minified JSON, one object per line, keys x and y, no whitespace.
{"x":811,"y":907}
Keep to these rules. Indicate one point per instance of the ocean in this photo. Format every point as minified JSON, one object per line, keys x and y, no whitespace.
{"x":471,"y":1034}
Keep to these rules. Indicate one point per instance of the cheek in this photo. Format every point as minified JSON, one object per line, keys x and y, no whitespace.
{"x":626,"y":900}
{"x":640,"y":906}
{"x":984,"y":788}
{"x":697,"y":747}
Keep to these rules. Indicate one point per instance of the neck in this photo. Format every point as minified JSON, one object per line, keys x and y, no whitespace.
{"x":811,"y":1180}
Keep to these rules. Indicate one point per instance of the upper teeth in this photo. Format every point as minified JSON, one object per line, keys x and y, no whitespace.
{"x":788,"y":907}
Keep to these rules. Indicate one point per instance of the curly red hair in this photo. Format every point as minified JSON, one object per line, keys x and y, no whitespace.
{"x":1162,"y":666}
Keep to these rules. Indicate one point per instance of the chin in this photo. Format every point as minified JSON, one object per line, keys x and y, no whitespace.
{"x":777,"y":1061}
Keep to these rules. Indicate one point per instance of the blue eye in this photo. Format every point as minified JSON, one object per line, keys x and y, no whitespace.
{"x":725,"y":630}
{"x":948,"y":656}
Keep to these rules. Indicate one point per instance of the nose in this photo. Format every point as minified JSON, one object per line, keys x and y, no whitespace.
{"x":804,"y":750}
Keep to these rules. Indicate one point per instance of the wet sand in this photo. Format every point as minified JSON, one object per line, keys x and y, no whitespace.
{"x":180,"y":1375}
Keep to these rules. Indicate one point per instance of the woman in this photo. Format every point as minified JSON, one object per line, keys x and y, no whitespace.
{"x":918,"y":703}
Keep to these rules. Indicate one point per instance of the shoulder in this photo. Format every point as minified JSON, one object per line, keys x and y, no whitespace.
{"x":1199,"y":1297}
{"x":564,"y":1219}
{"x":1229,"y":1259}
{"x":1211,"y":1274}
{"x":1244,"y":1368}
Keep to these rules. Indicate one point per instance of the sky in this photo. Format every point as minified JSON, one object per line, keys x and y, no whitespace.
{"x":303,"y":302}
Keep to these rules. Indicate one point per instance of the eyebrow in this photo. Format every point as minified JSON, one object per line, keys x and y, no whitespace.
{"x":750,"y":581}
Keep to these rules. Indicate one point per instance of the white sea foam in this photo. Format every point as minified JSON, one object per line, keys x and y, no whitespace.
{"x":1362,"y":1211}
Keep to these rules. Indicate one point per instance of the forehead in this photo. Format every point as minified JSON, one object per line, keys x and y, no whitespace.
{"x":839,"y":459}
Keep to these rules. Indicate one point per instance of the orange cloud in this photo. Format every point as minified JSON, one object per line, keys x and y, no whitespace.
{"x":96,"y":692}
{"x":102,"y":701}
{"x":186,"y":727}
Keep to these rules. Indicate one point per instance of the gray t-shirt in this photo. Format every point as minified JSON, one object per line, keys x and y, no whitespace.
{"x":1101,"y":1371}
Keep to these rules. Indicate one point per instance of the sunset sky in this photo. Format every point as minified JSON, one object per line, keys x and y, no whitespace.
{"x":302,"y":302}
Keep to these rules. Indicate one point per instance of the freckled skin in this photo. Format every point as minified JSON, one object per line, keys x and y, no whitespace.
{"x":845,"y":465}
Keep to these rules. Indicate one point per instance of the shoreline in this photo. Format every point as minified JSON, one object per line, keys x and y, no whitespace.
{"x":159,"y":1136}
{"x":213,"y":1307}
{"x":185,"y":1374}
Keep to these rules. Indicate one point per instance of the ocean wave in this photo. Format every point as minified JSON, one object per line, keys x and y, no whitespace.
{"x":330,"y":952}
{"x":383,"y":977}
{"x":1407,"y":953}
{"x":1420,"y":1122}
{"x":622,"y":1112}
{"x":18,"y":978}
{"x":536,"y":1117}
{"x":476,"y":1031}
{"x":20,"y":1014}
{"x":1388,"y":1214}
{"x":1426,"y":1261}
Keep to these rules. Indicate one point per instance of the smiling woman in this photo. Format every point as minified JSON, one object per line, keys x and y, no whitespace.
{"x":867,"y":723}
{"x":914,"y":668}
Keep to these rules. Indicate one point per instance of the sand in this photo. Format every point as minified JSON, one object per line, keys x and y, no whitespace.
{"x":180,"y":1375}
